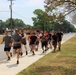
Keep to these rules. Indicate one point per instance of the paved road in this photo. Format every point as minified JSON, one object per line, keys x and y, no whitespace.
{"x":3,"y":56}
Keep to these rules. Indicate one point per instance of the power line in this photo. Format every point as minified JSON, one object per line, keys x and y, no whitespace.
{"x":4,"y":11}
{"x":19,"y":15}
{"x":16,"y":14}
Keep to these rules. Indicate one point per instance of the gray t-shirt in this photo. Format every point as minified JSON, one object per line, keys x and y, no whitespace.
{"x":7,"y":40}
{"x":16,"y":38}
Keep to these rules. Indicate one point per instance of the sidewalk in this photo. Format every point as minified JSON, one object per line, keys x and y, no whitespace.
{"x":11,"y":68}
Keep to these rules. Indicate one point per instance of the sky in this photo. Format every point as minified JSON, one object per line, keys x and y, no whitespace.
{"x":22,"y":9}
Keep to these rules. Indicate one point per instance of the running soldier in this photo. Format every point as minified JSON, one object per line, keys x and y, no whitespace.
{"x":54,"y":40}
{"x":44,"y":43}
{"x":24,"y":40}
{"x":50,"y":40}
{"x":16,"y":44}
{"x":59,"y":39}
{"x":33,"y":39}
{"x":8,"y":43}
{"x":37,"y":41}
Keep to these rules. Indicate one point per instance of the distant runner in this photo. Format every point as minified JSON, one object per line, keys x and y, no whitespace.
{"x":44,"y":43}
{"x":54,"y":40}
{"x":33,"y":39}
{"x":37,"y":41}
{"x":24,"y":40}
{"x":59,"y":38}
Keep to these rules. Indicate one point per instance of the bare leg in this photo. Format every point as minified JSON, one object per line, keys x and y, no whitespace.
{"x":33,"y":48}
{"x":14,"y":51}
{"x":18,"y":53}
{"x":59,"y":46}
{"x":8,"y":54}
{"x":26,"y":49}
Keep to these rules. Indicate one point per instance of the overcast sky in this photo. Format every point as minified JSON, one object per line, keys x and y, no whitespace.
{"x":22,"y":9}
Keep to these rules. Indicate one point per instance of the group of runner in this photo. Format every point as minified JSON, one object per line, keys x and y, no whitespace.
{"x":47,"y":40}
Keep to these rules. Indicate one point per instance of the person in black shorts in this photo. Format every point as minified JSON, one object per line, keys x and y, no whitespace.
{"x":17,"y":44}
{"x":8,"y":43}
{"x":59,"y":38}
{"x":44,"y":43}
{"x":37,"y":41}
{"x":24,"y":40}
{"x":50,"y":40}
{"x":29,"y":40}
{"x":33,"y":39}
{"x":54,"y":40}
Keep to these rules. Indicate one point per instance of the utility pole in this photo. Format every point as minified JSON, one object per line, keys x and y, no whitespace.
{"x":10,"y":6}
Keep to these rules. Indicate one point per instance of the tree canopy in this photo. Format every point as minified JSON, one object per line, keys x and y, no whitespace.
{"x":42,"y":21}
{"x":16,"y":23}
{"x":59,"y":8}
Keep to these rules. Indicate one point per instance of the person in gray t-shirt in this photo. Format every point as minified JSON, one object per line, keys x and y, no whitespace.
{"x":17,"y":44}
{"x":8,"y":43}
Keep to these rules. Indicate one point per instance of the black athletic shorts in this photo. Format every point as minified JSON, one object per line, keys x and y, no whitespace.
{"x":17,"y":47}
{"x":59,"y":40}
{"x":37,"y":43}
{"x":54,"y":42}
{"x":7,"y":48}
{"x":24,"y":43}
{"x":31,"y":43}
{"x":44,"y":44}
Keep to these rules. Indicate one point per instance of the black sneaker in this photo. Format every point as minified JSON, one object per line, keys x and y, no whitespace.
{"x":45,"y":49}
{"x":26,"y":53}
{"x":33,"y":53}
{"x":21,"y":53}
{"x":17,"y":62}
{"x":8,"y":59}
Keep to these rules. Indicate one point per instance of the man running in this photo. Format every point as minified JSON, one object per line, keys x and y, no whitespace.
{"x":50,"y":40}
{"x":33,"y":39}
{"x":8,"y":43}
{"x":59,"y":39}
{"x":37,"y":41}
{"x":17,"y":44}
{"x":24,"y":40}
{"x":44,"y":43}
{"x":54,"y":40}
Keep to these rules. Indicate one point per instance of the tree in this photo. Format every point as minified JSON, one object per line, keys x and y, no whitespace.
{"x":1,"y":26}
{"x":65,"y":26}
{"x":58,"y":9}
{"x":74,"y":17}
{"x":41,"y":20}
{"x":16,"y":23}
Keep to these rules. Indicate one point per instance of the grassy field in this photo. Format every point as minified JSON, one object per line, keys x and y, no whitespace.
{"x":60,"y":63}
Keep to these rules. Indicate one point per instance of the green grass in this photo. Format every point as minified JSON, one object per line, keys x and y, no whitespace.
{"x":59,"y":63}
